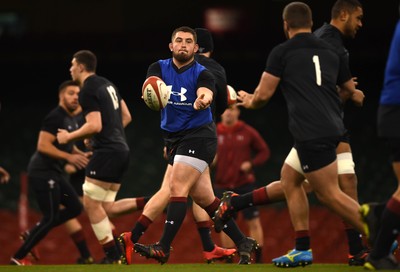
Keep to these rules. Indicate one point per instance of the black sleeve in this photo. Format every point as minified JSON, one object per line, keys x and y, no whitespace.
{"x":207,"y":80}
{"x":88,"y":100}
{"x":154,"y":70}
{"x":344,"y":71}
{"x":51,"y":123}
{"x":221,"y":96}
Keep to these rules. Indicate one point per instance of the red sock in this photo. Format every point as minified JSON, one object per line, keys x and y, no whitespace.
{"x":260,"y":196}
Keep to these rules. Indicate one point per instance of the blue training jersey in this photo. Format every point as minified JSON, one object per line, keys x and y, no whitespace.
{"x":179,"y":113}
{"x":390,"y":94}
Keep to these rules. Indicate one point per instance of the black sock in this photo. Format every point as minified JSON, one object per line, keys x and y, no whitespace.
{"x":242,"y":201}
{"x":233,"y":231}
{"x":205,"y":235}
{"x":140,"y":227}
{"x":176,"y":212}
{"x":258,"y":254}
{"x":388,"y":231}
{"x":302,"y":240}
{"x":111,"y":251}
{"x":354,"y":241}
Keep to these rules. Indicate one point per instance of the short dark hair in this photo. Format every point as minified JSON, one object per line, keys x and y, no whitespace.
{"x":66,"y":84}
{"x":344,"y":5}
{"x":297,"y":15}
{"x":204,"y":40}
{"x":184,"y":29}
{"x":87,"y":58}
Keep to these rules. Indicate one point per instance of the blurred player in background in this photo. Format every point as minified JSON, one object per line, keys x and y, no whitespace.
{"x":240,"y":149}
{"x":46,"y":172}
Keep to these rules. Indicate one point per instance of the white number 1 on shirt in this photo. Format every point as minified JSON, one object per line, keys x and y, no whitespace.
{"x":317,"y":69}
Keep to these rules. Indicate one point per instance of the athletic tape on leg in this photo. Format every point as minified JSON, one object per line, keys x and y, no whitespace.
{"x":103,"y":231}
{"x":345,"y":163}
{"x":94,"y":191}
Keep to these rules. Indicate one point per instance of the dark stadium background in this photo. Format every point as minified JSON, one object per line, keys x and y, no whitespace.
{"x":38,"y":38}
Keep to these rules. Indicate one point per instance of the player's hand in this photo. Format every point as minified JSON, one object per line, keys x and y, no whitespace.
{"x":246,"y":166}
{"x":70,"y":169}
{"x":165,"y":155}
{"x":88,"y":154}
{"x":88,"y":143}
{"x":358,"y":97}
{"x":244,"y":99}
{"x":202,"y":102}
{"x":4,"y":175}
{"x":355,"y":81}
{"x":78,"y":160}
{"x":62,"y":136}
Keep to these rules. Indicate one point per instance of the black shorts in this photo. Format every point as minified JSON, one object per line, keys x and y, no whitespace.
{"x":248,"y":213}
{"x":388,"y":125}
{"x":77,"y":179}
{"x":317,"y":153}
{"x":200,"y":148}
{"x":108,"y":166}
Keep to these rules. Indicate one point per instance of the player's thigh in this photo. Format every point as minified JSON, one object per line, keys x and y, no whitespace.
{"x":202,"y":191}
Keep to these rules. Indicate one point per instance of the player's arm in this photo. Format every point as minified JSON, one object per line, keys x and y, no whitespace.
{"x":348,"y":89}
{"x":46,"y":146}
{"x":76,"y":150}
{"x":205,"y":90}
{"x":126,"y":115}
{"x":260,"y":148}
{"x":262,"y":94}
{"x":92,"y":126}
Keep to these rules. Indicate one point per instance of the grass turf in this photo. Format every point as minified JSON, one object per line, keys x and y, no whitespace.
{"x":179,"y":267}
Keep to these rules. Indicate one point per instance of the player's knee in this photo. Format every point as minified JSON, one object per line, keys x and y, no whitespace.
{"x":94,"y":191}
{"x":345,"y":163}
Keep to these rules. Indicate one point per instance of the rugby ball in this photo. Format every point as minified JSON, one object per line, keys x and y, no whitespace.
{"x":231,"y":95}
{"x":155,"y":93}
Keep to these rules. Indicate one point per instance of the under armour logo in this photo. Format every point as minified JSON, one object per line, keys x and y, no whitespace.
{"x":181,"y":94}
{"x":51,"y":183}
{"x":93,"y":173}
{"x":191,"y":151}
{"x":169,"y":222}
{"x":305,"y":167}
